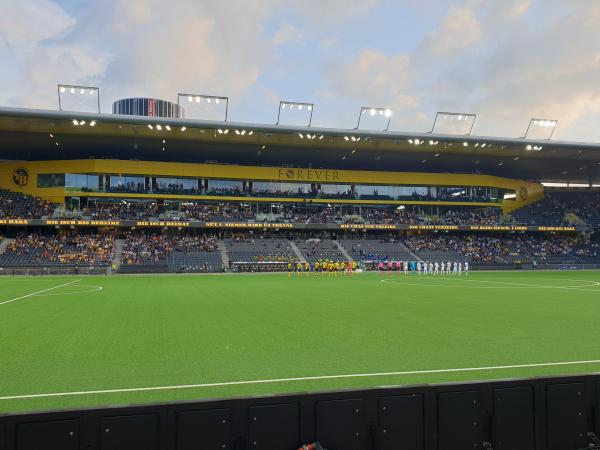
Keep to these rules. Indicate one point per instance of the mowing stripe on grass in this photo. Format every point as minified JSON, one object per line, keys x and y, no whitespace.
{"x":38,"y":292}
{"x":285,"y":380}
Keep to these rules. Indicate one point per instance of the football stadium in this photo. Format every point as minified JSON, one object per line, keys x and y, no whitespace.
{"x":271,"y":285}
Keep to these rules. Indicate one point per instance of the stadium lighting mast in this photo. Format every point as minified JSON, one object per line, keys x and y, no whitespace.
{"x":454,"y":121}
{"x":201,"y":98}
{"x":72,"y":90}
{"x":373,"y":111}
{"x":542,"y":124}
{"x":285,"y":104}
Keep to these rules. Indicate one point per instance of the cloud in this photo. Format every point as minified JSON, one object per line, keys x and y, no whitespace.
{"x":288,"y":34}
{"x":507,"y":60}
{"x":460,"y":29}
{"x":25,"y":23}
{"x":129,"y":49}
{"x":318,"y":13}
{"x":329,"y":42}
{"x":373,"y":75}
{"x":549,"y":71}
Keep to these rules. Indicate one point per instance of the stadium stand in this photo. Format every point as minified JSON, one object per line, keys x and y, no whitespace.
{"x":545,"y":212}
{"x":555,"y":209}
{"x":121,"y":210}
{"x":316,"y":248}
{"x":377,"y":249}
{"x":61,"y":249}
{"x":173,"y":252}
{"x":503,"y":249}
{"x":583,"y":205}
{"x":244,"y":248}
{"x":218,"y":213}
{"x":14,"y":205}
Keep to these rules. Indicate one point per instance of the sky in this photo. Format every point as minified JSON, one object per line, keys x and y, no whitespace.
{"x":505,"y":60}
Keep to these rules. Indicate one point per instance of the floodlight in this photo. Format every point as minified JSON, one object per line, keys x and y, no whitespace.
{"x":284,"y":104}
{"x":73,"y":96}
{"x":453,"y":123}
{"x":209,"y":99}
{"x":541,"y":129}
{"x":372,"y":111}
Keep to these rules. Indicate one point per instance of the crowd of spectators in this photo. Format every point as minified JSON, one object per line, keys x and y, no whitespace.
{"x":129,"y":186}
{"x":584,"y":206}
{"x":544,"y":212}
{"x":218,"y":213}
{"x":142,"y":248}
{"x":487,"y":249}
{"x":555,"y":209}
{"x":121,"y":211}
{"x":65,"y":248}
{"x":14,"y":205}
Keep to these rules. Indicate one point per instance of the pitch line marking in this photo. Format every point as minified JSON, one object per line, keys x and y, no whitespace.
{"x":507,"y":285}
{"x":285,"y":380}
{"x":89,"y":291}
{"x":38,"y":292}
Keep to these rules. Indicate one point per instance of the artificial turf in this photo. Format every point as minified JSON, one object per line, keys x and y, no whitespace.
{"x":152,"y":331}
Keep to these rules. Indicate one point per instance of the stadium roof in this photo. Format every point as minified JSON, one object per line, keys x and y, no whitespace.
{"x":27,"y":134}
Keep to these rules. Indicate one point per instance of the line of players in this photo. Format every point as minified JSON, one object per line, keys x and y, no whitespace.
{"x":425,"y":267}
{"x":323,"y":266}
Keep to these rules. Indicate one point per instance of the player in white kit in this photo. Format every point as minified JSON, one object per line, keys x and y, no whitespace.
{"x":448,"y":267}
{"x":437,"y":268}
{"x":466,"y":268}
{"x":405,"y":267}
{"x":418,"y":267}
{"x":460,"y":268}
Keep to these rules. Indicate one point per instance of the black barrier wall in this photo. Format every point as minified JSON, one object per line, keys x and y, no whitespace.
{"x":544,"y":413}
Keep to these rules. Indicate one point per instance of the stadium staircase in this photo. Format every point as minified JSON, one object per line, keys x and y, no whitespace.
{"x":119,"y":244}
{"x":347,"y":256}
{"x":224,"y":254}
{"x":297,"y":252}
{"x":4,"y":243}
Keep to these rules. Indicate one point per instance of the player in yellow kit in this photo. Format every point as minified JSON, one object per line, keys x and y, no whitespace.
{"x":298,"y":268}
{"x":289,"y":269}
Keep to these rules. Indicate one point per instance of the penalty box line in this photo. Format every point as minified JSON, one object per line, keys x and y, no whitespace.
{"x":38,"y":292}
{"x":286,"y":380}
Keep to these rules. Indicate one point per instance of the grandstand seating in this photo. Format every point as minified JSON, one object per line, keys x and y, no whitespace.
{"x":181,"y":252}
{"x":376,"y":250}
{"x":545,"y":212}
{"x":316,"y":249}
{"x":255,"y":250}
{"x":498,"y":249}
{"x":195,"y":261}
{"x":585,"y":205}
{"x":555,"y":209}
{"x":34,"y":250}
{"x":14,"y":205}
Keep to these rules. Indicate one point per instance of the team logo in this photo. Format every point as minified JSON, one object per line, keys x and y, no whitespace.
{"x":289,"y":173}
{"x":20,"y":177}
{"x":523,"y":193}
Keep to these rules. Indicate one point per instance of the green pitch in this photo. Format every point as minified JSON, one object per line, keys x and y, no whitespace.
{"x":148,"y":338}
